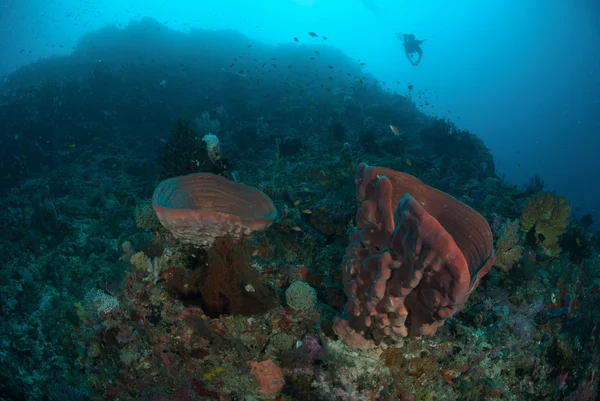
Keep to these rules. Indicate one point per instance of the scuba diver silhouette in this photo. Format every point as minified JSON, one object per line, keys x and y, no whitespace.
{"x":412,"y":46}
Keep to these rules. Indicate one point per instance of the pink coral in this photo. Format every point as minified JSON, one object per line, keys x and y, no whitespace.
{"x":268,"y":375}
{"x":408,"y":271}
{"x":199,"y":208}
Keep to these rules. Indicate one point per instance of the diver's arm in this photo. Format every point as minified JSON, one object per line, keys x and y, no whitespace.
{"x":408,"y":56}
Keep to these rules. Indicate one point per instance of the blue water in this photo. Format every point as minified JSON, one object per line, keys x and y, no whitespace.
{"x":522,"y":75}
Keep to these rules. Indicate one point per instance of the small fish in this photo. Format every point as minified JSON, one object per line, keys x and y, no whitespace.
{"x":297,"y":202}
{"x":410,"y":87}
{"x":330,"y":67}
{"x":296,"y":228}
{"x":307,"y":211}
{"x":255,"y":252}
{"x":95,"y":138}
{"x":72,"y":145}
{"x":578,"y":241}
{"x":316,"y":52}
{"x":314,"y":35}
{"x":324,"y":37}
{"x":249,"y":45}
{"x":395,"y":130}
{"x":296,"y":39}
{"x":362,"y":63}
{"x":408,"y":162}
{"x":312,"y":58}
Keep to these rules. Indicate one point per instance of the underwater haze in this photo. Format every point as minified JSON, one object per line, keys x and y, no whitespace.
{"x":299,"y":200}
{"x":523,"y":75}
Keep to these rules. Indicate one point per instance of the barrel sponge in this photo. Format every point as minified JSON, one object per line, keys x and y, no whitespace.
{"x":199,"y":208}
{"x":414,"y":258}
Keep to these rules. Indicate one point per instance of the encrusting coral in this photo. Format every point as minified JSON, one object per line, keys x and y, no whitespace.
{"x":301,"y":296}
{"x":268,"y":376}
{"x":145,"y":217}
{"x":545,"y":216}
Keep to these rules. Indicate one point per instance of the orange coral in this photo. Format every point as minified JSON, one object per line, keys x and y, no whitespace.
{"x":546,"y":215}
{"x":508,"y":252}
{"x":268,"y":375}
